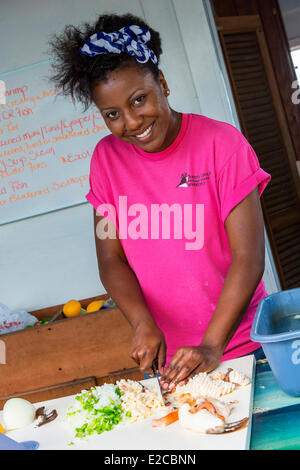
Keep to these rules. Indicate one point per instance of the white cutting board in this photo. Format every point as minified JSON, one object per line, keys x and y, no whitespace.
{"x":141,"y":435}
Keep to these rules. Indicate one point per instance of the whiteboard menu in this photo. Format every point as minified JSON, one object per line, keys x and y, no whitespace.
{"x":46,"y":144}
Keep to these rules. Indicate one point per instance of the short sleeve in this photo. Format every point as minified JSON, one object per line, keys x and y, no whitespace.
{"x":240,"y":175}
{"x":97,"y":194}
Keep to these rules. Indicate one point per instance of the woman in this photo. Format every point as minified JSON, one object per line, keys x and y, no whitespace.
{"x":182,"y":193}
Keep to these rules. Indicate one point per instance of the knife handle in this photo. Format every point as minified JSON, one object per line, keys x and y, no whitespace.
{"x":155,"y":366}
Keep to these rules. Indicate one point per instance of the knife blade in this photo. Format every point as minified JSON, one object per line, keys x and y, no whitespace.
{"x":156,"y":374}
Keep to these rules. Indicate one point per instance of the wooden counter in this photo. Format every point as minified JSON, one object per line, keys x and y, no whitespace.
{"x":68,"y":355}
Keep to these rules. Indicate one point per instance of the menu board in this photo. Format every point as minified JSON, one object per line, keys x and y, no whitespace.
{"x":46,"y":143}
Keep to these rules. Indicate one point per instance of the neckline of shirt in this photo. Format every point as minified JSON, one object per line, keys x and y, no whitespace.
{"x":170,"y":149}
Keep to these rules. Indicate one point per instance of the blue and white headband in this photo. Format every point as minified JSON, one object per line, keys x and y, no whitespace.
{"x":132,"y":40}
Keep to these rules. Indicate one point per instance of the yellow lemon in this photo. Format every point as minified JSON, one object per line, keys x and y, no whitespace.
{"x":95,"y":306}
{"x":72,"y":308}
{"x":1,"y":429}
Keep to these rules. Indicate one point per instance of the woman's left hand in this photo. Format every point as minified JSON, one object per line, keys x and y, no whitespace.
{"x":189,"y":361}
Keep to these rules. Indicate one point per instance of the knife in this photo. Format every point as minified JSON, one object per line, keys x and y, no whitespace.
{"x":156,"y":373}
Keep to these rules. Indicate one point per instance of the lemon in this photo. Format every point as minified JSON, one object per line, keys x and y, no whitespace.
{"x":95,"y":306}
{"x":72,"y":308}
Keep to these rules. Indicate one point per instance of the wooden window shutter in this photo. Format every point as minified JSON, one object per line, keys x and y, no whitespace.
{"x":263,"y":123}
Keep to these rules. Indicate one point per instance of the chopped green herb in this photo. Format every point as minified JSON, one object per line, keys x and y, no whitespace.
{"x":99,"y":418}
{"x":105,"y":419}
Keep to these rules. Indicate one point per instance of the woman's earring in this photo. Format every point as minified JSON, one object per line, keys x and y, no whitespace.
{"x":167,"y":92}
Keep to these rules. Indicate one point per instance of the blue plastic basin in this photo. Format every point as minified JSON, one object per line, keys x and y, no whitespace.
{"x":276,"y":326}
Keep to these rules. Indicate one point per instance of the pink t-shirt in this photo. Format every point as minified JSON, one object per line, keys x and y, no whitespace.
{"x":169,"y":209}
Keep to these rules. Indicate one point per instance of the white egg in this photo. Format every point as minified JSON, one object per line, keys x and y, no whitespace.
{"x":17,"y":413}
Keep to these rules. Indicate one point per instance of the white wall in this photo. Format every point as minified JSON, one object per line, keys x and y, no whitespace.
{"x":49,"y":259}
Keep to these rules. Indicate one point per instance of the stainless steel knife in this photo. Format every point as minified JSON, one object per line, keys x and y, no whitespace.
{"x":156,"y":373}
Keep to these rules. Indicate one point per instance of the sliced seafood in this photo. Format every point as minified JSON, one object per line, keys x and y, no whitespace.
{"x":233,"y":376}
{"x":223,"y":409}
{"x":203,"y":385}
{"x":208,"y":416}
{"x":138,"y":402}
{"x":165,"y":420}
{"x":238,"y":378}
{"x":202,"y":421}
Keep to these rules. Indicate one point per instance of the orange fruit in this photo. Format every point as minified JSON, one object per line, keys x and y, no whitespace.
{"x":95,"y":306}
{"x":72,"y":308}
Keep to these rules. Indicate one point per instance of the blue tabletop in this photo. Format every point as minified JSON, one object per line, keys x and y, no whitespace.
{"x":276,"y":415}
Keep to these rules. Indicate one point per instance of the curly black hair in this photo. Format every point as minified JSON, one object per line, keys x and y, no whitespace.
{"x":75,"y":74}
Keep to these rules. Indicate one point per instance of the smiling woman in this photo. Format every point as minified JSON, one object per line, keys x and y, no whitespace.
{"x":135,"y":109}
{"x":130,"y":91}
{"x":190,"y":305}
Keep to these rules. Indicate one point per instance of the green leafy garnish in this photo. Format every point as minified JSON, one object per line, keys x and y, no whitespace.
{"x":105,"y":419}
{"x":99,"y":419}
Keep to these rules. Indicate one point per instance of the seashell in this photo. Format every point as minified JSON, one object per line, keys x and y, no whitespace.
{"x":238,"y":378}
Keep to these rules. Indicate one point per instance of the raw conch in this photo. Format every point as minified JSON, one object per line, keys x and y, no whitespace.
{"x":232,"y":376}
{"x":203,"y":385}
{"x":206,"y":416}
{"x":197,"y":406}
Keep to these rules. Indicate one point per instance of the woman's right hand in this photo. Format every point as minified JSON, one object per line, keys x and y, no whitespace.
{"x":148,"y":343}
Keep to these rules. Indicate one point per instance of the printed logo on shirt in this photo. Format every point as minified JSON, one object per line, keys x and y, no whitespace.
{"x":193,"y":180}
